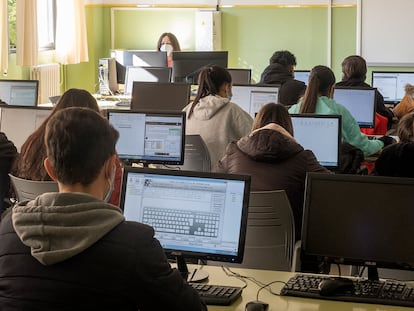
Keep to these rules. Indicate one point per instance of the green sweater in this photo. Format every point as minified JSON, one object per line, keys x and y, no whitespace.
{"x":350,"y":129}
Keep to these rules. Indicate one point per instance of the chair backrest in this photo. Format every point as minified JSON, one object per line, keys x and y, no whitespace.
{"x":270,"y":236}
{"x":196,"y":154}
{"x":29,"y":189}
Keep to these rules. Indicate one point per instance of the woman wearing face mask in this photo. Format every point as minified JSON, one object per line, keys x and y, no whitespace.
{"x":213,"y":116}
{"x":168,"y":43}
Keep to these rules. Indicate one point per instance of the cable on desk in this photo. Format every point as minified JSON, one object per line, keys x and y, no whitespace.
{"x":270,"y":289}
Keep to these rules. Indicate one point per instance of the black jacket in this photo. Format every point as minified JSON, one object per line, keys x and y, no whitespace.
{"x":396,"y":160}
{"x":290,"y":91}
{"x":8,"y":154}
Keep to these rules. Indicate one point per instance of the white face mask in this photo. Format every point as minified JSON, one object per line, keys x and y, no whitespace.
{"x":111,"y":182}
{"x":167,"y":48}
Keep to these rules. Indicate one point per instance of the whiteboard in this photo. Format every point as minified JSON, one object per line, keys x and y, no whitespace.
{"x":386,"y":32}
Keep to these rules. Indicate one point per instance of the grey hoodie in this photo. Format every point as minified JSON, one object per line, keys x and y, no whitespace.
{"x":56,"y":229}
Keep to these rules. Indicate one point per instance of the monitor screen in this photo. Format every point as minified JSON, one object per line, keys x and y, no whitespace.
{"x":321,"y":134}
{"x":240,"y":75}
{"x":187,"y":65}
{"x":391,"y":85}
{"x":360,"y":102}
{"x":19,"y":122}
{"x":141,"y":58}
{"x":194,"y":214}
{"x":359,"y":220}
{"x":19,"y":92}
{"x":159,"y":95}
{"x":302,"y":75}
{"x":145,"y":74}
{"x":252,"y":97}
{"x":149,"y":136}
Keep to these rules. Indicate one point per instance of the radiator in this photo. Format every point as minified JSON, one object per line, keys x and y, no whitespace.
{"x":49,"y":80}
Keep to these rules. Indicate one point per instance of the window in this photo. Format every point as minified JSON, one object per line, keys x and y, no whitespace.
{"x":46,"y":16}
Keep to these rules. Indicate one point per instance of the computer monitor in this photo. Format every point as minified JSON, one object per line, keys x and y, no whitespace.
{"x":149,"y":136}
{"x":360,"y":102}
{"x":391,"y":85}
{"x":145,"y":74}
{"x":359,"y":220}
{"x":252,"y":97}
{"x":19,"y":92}
{"x":240,"y":75}
{"x":159,"y":95}
{"x":19,"y":122}
{"x":141,"y":58}
{"x":194,"y":214}
{"x":321,"y":134}
{"x":302,"y":75}
{"x":186,"y":66}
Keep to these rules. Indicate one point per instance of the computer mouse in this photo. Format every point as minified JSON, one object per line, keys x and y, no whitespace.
{"x":335,"y":286}
{"x":257,"y":305}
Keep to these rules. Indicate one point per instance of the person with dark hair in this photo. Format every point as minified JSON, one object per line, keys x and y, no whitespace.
{"x":29,"y":162}
{"x":273,"y":158}
{"x":354,"y":73}
{"x":281,"y":71}
{"x":8,"y":153}
{"x":213,"y":116}
{"x":397,"y":160}
{"x":73,"y":251}
{"x":318,"y":99}
{"x":168,"y":42}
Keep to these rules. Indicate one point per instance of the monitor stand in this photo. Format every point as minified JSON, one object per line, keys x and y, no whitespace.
{"x":196,"y":275}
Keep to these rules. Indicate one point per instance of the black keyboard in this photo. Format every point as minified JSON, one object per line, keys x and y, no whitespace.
{"x":217,"y":294}
{"x":385,"y":292}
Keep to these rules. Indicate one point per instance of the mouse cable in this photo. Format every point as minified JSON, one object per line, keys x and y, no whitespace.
{"x":269,"y":288}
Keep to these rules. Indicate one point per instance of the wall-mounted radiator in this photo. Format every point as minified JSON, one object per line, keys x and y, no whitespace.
{"x":49,"y":80}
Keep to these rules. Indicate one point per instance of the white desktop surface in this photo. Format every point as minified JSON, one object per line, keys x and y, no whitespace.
{"x":276,"y":303}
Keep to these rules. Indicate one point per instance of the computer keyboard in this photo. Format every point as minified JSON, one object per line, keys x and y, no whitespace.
{"x":385,"y":292}
{"x":217,"y":294}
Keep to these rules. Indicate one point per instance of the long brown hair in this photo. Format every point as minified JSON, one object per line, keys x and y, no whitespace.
{"x":173,"y":39}
{"x":321,"y":79}
{"x":273,"y":113}
{"x":29,"y":164}
{"x":210,"y":80}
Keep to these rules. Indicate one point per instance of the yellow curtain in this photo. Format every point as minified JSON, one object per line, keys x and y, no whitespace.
{"x":26,"y":27}
{"x":71,"y":37}
{"x":4,"y":37}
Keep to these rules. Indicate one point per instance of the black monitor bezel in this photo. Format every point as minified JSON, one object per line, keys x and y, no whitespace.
{"x":172,"y":253}
{"x":145,"y":161}
{"x":391,"y":102}
{"x":156,"y":87}
{"x":201,"y":58}
{"x":325,"y":116}
{"x":24,"y":81}
{"x":372,"y":125}
{"x":330,"y":258}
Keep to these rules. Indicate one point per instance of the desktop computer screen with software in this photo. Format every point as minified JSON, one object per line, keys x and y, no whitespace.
{"x":359,"y":220}
{"x":391,"y":85}
{"x":252,"y":97}
{"x":149,"y":136}
{"x":321,"y":134}
{"x":360,"y":102}
{"x":19,"y":92}
{"x":160,"y":95}
{"x":302,"y":75}
{"x":194,"y":214}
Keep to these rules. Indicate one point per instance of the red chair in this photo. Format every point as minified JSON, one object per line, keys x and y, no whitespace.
{"x":380,"y":128}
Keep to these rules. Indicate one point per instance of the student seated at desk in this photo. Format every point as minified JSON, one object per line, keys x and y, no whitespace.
{"x":70,"y":250}
{"x":318,"y":99}
{"x":397,"y":160}
{"x":273,"y":158}
{"x":213,"y":116}
{"x":29,"y":163}
{"x":8,"y":153}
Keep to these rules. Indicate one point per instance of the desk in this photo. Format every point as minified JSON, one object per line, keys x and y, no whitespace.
{"x":276,"y":303}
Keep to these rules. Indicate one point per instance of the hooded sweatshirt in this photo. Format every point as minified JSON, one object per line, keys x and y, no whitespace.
{"x":218,"y":122}
{"x":275,"y":161}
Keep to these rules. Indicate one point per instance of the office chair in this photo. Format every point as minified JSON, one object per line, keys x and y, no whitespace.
{"x":270,"y":235}
{"x":196,"y":154}
{"x":29,"y":189}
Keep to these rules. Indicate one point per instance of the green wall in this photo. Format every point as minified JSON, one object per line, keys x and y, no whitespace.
{"x":250,"y":34}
